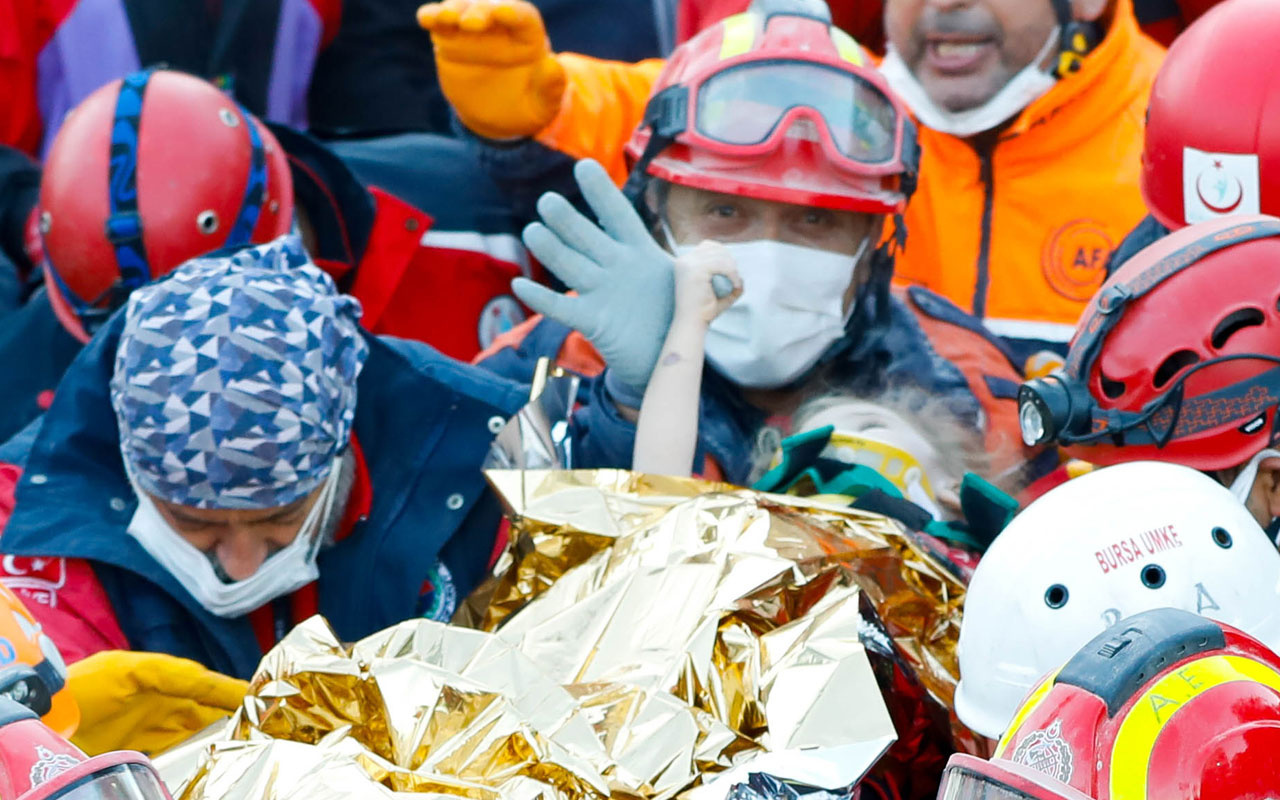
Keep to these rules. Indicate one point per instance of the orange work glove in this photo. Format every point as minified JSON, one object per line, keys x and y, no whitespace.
{"x":495,"y":65}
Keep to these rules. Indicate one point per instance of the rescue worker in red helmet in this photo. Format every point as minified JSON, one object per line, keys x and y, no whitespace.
{"x":1164,"y":705}
{"x":1178,"y":359}
{"x":772,"y":133}
{"x":38,"y":764}
{"x":1030,"y":118}
{"x":1212,"y":140}
{"x":161,"y":166}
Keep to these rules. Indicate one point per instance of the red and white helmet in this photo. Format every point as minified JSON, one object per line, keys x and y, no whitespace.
{"x":1213,"y":127}
{"x":1164,"y":705}
{"x":38,"y":764}
{"x":1094,"y":550}
{"x":778,"y":104}
{"x":146,"y":173}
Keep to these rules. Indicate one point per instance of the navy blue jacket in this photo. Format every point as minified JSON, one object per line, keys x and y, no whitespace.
{"x":424,"y":424}
{"x":1147,"y":232}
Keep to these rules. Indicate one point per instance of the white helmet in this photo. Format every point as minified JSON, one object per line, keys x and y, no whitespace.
{"x":1099,"y":548}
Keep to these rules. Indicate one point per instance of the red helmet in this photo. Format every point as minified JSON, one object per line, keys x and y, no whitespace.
{"x":146,"y":173}
{"x":1165,"y":705}
{"x":1177,"y":358}
{"x":1213,"y":127}
{"x":778,"y":104}
{"x":38,"y":764}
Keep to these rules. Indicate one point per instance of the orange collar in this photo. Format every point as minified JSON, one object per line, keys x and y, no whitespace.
{"x":1110,"y":62}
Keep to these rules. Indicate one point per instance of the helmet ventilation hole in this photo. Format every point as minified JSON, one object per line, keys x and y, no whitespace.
{"x":1222,"y":538}
{"x":207,"y":221}
{"x":1056,"y":596}
{"x":228,"y":117}
{"x":1172,"y":365}
{"x":1235,"y":322}
{"x":1112,"y":389}
{"x":1153,"y":576}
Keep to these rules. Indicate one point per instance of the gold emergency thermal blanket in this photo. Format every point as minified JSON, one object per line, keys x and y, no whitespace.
{"x":641,"y":637}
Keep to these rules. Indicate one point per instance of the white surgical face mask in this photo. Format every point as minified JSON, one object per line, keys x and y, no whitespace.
{"x":1029,"y":85}
{"x":790,"y":312}
{"x":286,"y":571}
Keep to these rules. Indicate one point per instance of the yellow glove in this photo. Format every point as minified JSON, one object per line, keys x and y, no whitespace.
{"x":495,"y":65}
{"x":146,"y":701}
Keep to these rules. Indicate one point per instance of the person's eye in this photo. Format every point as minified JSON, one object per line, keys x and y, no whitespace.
{"x":818,"y":217}
{"x":724,"y":211}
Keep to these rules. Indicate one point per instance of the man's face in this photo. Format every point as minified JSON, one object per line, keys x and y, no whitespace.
{"x":238,"y":541}
{"x":696,"y":215}
{"x":964,"y":51}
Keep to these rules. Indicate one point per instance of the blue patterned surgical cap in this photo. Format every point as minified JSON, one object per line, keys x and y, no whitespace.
{"x":235,"y":379}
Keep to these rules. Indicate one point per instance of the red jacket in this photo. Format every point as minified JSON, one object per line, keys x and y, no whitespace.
{"x":450,"y":289}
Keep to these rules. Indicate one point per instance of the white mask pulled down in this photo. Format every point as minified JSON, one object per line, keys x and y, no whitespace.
{"x":1030,"y":84}
{"x":790,"y":312}
{"x":285,"y":571}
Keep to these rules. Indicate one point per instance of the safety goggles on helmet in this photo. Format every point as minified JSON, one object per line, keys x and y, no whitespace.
{"x":114,"y":776}
{"x":969,"y":778}
{"x":748,"y":108}
{"x":782,"y":109}
{"x":1060,"y":407}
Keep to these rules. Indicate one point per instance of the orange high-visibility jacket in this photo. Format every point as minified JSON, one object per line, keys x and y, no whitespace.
{"x":1018,"y":234}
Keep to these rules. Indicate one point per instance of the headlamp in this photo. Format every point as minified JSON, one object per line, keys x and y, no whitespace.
{"x":1053,"y":408}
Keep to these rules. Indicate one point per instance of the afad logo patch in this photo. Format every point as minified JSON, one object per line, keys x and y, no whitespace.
{"x":1218,"y":185}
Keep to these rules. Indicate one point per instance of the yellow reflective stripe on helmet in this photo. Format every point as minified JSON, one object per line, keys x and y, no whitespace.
{"x":1030,"y":704}
{"x":847,"y":47}
{"x":1131,"y":754}
{"x":738,"y":36}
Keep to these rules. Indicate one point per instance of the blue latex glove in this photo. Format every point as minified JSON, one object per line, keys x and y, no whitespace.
{"x":624,"y":279}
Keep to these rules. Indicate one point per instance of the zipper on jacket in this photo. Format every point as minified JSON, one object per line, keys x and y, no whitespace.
{"x":986,"y":174}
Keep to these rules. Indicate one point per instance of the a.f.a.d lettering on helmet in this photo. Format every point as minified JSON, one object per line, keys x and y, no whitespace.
{"x":1177,"y":358}
{"x":1212,"y":144}
{"x":778,"y":104}
{"x":1106,"y":545}
{"x":1164,"y":705}
{"x":146,"y":173}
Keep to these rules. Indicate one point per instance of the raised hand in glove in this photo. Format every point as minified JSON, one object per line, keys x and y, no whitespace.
{"x":495,"y":65}
{"x":624,"y":279}
{"x":147,"y":701}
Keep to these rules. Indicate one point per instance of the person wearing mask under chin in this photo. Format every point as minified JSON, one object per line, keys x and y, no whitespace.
{"x":232,"y":454}
{"x":1031,"y":122}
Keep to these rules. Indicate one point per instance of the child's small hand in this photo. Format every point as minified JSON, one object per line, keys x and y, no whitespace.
{"x":695,"y":293}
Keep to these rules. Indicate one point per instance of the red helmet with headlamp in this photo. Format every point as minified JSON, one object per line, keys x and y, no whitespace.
{"x":1177,"y":358}
{"x":1165,"y":705}
{"x":778,"y":104}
